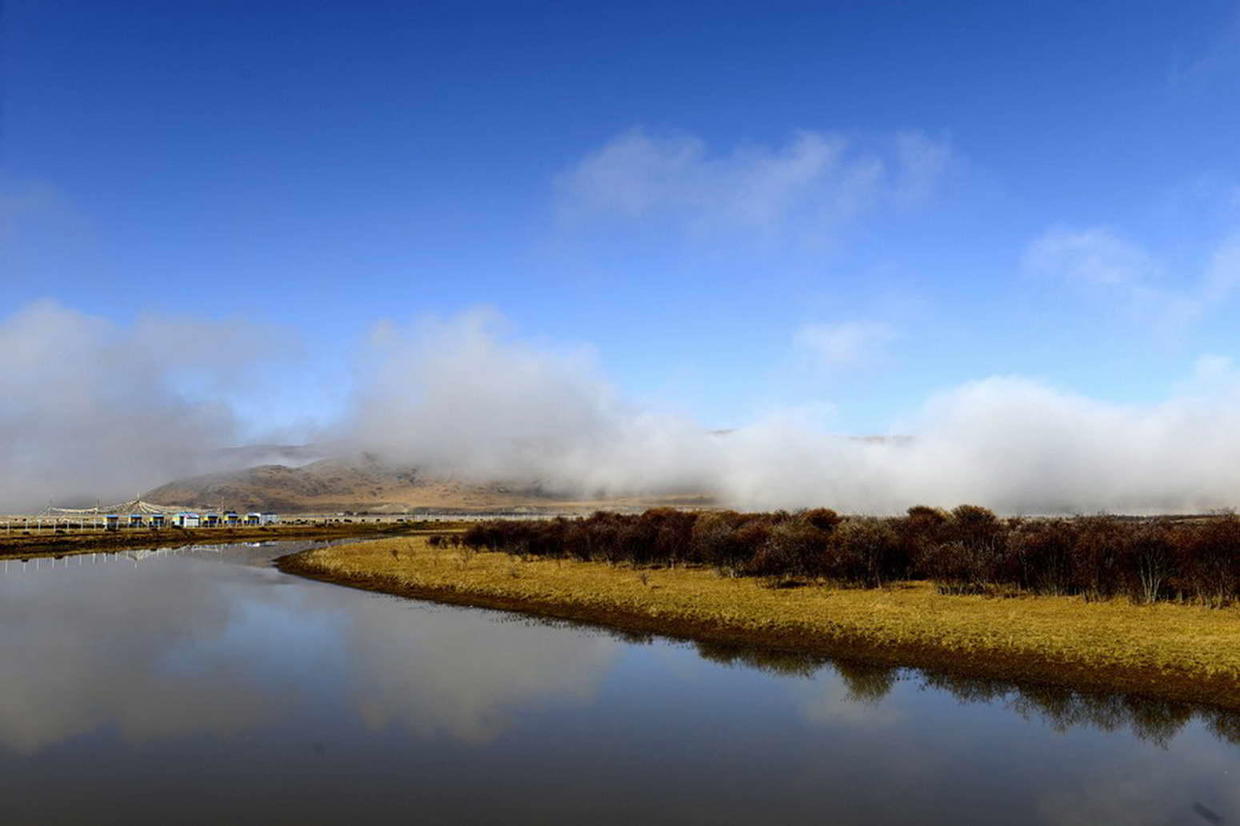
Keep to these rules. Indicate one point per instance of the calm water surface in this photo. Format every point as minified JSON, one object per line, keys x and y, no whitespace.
{"x":206,"y":687}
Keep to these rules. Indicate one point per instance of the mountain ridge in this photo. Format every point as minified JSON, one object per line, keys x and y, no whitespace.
{"x":369,"y":485}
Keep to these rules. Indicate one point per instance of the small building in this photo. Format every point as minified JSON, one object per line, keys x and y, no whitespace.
{"x":157,"y":520}
{"x":188,"y":520}
{"x":135,"y":520}
{"x":269,"y":518}
{"x":210,"y":520}
{"x":253,"y":518}
{"x":112,"y":521}
{"x":232,"y":519}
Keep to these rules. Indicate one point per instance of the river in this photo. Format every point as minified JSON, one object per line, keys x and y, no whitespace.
{"x":204,"y":686}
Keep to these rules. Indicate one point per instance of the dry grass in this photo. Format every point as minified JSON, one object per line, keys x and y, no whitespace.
{"x":1167,"y":650}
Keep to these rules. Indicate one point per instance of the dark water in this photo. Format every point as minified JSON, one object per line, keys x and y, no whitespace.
{"x":206,"y":687}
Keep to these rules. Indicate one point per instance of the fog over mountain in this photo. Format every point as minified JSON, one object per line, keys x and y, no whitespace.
{"x":459,"y":395}
{"x":92,"y":410}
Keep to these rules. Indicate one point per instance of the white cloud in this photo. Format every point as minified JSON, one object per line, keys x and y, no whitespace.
{"x":458,"y":396}
{"x":1217,"y":62}
{"x":845,"y":344}
{"x":1222,"y":275}
{"x":465,"y":675}
{"x":814,"y":183}
{"x":1127,"y":273}
{"x":1092,"y":256}
{"x":92,"y":409}
{"x":122,"y":681}
{"x":923,"y":162}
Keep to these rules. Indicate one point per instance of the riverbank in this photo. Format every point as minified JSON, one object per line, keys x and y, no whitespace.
{"x":1166,"y":651}
{"x":34,"y":544}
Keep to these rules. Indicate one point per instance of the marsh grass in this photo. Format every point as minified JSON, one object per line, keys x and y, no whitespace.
{"x":1161,"y":649}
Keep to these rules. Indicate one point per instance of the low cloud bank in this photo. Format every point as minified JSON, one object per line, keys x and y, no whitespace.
{"x":459,"y":397}
{"x":1012,"y":444}
{"x":90,"y":410}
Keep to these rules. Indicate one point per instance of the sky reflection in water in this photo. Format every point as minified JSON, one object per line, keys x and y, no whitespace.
{"x":140,"y":689}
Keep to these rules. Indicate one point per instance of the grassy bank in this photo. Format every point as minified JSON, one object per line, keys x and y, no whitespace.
{"x":31,"y":545}
{"x":1169,"y":651}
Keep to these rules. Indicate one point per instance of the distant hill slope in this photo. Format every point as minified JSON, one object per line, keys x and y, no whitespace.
{"x":332,"y":485}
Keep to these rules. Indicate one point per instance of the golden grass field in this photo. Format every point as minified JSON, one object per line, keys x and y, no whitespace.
{"x":1165,"y":650}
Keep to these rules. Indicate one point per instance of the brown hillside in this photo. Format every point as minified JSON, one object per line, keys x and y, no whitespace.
{"x":332,"y":485}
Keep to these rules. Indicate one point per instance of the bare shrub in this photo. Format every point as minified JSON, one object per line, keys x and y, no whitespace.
{"x":1147,"y":560}
{"x":1096,"y":556}
{"x":1208,"y":559}
{"x":793,"y":548}
{"x":1039,"y":556}
{"x":866,"y":552}
{"x":966,"y":555}
{"x":966,"y":550}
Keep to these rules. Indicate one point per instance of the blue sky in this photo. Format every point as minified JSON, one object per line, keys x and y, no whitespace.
{"x":840,"y":208}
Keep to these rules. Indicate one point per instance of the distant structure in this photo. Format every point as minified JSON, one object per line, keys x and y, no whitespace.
{"x":137,"y":513}
{"x":188,"y":520}
{"x":133,"y":506}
